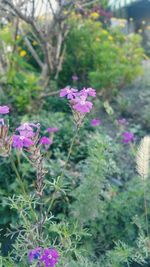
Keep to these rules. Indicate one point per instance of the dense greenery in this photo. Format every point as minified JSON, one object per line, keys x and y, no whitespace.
{"x":99,"y":203}
{"x":102,"y":57}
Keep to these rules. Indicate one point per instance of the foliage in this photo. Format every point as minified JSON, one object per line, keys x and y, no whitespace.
{"x":20,"y":80}
{"x":113,"y":218}
{"x":103,"y":58}
{"x":93,"y":207}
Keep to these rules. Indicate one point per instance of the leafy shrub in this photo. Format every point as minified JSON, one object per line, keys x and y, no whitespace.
{"x":20,"y":81}
{"x":105,"y":59}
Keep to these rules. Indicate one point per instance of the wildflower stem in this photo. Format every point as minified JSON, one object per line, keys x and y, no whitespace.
{"x":22,"y":186}
{"x":65,"y":166}
{"x":69,"y":152}
{"x":51,"y":203}
{"x":18,"y":175}
{"x":146,"y":211}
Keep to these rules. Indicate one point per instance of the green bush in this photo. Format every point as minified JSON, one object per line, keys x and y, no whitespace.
{"x":103,"y":59}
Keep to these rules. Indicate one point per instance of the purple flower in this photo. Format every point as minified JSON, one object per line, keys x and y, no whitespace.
{"x":27,"y":133}
{"x":88,"y":92}
{"x":21,"y":141}
{"x":26,"y":129}
{"x":95,"y":122}
{"x":122,"y":121}
{"x":4,"y":109}
{"x":52,"y":129}
{"x":78,"y":100}
{"x":75,"y":78}
{"x":45,"y":141}
{"x":128,"y":137}
{"x":34,"y":254}
{"x":49,"y":257}
{"x":68,"y":92}
{"x":82,"y":105}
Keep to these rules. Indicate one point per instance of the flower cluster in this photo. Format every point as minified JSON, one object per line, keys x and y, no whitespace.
{"x":34,"y":254}
{"x":4,"y":109}
{"x":48,"y":257}
{"x":78,"y":99}
{"x":25,"y":136}
{"x":5,"y":140}
{"x":95,"y":122}
{"x":128,"y":137}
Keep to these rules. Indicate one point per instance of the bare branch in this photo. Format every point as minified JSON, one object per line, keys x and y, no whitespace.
{"x":17,"y":11}
{"x":59,"y":68}
{"x":50,"y":94}
{"x":52,"y":9}
{"x":33,"y":8}
{"x":31,"y":49}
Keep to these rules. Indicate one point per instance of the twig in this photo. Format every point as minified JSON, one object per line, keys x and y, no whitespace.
{"x":50,"y":94}
{"x":31,"y":49}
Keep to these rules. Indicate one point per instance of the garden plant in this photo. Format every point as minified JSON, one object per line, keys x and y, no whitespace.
{"x":74,"y":137}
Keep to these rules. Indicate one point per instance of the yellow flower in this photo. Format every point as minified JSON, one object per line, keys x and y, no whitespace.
{"x":18,"y":37}
{"x":110,"y":38}
{"x":94,"y":15}
{"x":23,"y":53}
{"x":34,"y":43}
{"x":72,"y":13}
{"x":104,"y":32}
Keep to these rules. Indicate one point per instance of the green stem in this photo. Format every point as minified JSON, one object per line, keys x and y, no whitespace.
{"x":69,"y":153}
{"x":146,"y":211}
{"x":51,"y":203}
{"x":18,"y":175}
{"x":22,"y":186}
{"x":65,"y":166}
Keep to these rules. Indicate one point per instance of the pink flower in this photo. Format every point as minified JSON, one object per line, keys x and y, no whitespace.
{"x":88,"y":92}
{"x":49,"y":257}
{"x":4,"y":109}
{"x":95,"y":122}
{"x":26,"y":129}
{"x":52,"y":129}
{"x":34,"y":254}
{"x":122,"y":121}
{"x":82,"y":105}
{"x":21,"y":141}
{"x":68,"y":92}
{"x":75,"y":78}
{"x":128,"y":137}
{"x":45,"y":141}
{"x":78,"y":100}
{"x":27,"y":133}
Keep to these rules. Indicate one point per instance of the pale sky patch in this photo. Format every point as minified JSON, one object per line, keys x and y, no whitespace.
{"x":120,"y":3}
